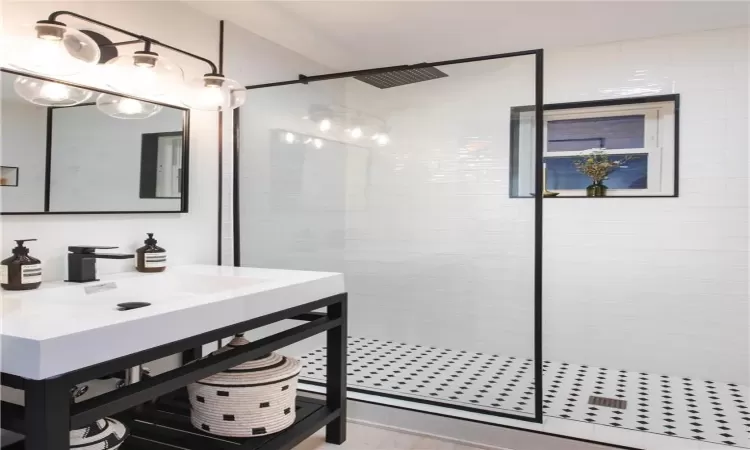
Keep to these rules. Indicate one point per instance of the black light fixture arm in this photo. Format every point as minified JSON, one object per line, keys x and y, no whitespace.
{"x":139,"y":37}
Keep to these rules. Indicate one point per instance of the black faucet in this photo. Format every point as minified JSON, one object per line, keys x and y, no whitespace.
{"x":82,"y":261}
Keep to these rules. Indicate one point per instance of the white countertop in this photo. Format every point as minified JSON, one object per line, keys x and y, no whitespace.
{"x":60,"y":327}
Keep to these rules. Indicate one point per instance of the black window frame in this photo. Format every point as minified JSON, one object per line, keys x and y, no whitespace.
{"x":515,"y":115}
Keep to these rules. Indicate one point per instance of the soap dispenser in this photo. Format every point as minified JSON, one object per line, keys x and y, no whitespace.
{"x":150,"y":257}
{"x":20,"y":272}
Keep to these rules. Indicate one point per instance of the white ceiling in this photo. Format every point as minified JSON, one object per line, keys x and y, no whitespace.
{"x":347,"y":35}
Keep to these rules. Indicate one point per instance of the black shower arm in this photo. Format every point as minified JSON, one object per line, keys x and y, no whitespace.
{"x":139,"y":38}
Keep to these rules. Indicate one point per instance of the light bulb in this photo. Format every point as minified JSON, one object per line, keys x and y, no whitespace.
{"x":54,"y":91}
{"x":289,"y":138}
{"x":356,"y":133}
{"x":317,"y":143}
{"x":144,"y":76}
{"x":129,"y":106}
{"x":382,"y":139}
{"x":212,"y":95}
{"x":325,"y":125}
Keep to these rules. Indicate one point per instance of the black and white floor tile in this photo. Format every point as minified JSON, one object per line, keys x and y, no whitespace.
{"x":681,"y":407}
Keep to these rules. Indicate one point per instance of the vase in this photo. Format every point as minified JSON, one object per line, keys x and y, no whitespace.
{"x":596,"y":189}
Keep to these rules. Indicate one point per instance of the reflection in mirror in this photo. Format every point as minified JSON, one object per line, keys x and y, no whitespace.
{"x":107,"y":154}
{"x":161,"y":165}
{"x":22,"y":145}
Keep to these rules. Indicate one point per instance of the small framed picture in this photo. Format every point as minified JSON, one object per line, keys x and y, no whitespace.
{"x":8,"y":176}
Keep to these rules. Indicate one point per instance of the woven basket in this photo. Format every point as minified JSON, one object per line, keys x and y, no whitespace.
{"x":252,"y":399}
{"x":104,"y":434}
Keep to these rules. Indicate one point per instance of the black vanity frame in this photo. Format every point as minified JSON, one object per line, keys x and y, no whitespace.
{"x":156,"y":408}
{"x":538,"y":108}
{"x":184,"y":202}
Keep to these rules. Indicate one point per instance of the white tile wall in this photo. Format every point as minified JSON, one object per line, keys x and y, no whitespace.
{"x":437,"y":253}
{"x":658,"y":285}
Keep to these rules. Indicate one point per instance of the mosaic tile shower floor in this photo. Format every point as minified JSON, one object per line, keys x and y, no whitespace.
{"x":681,"y":407}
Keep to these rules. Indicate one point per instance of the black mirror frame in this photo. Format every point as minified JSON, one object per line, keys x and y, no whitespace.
{"x":185,"y":155}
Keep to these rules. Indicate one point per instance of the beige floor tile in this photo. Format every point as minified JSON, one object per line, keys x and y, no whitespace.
{"x":360,"y":437}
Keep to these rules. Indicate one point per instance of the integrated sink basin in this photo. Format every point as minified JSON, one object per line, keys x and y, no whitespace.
{"x":65,"y":326}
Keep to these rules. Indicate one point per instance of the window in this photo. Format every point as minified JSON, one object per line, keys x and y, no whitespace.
{"x":640,"y":130}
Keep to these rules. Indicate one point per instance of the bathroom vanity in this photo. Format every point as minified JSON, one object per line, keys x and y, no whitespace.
{"x":63,"y":334}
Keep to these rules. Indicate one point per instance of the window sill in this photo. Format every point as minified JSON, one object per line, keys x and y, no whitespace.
{"x":606,"y":196}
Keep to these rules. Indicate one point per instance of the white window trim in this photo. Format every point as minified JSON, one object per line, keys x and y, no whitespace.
{"x":659,"y":144}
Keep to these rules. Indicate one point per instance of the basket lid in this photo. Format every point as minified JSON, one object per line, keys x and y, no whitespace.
{"x":238,"y":341}
{"x":257,"y":363}
{"x":267,"y":368}
{"x":104,"y":433}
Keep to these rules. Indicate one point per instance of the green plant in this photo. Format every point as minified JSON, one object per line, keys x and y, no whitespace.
{"x":596,"y":164}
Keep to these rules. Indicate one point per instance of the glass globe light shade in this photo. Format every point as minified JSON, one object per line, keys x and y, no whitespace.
{"x":54,"y":49}
{"x":126,"y":108}
{"x":49,"y":93}
{"x":214,"y":93}
{"x":145,"y":74}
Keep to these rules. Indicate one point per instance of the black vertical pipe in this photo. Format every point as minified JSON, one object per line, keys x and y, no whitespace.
{"x":538,"y":235}
{"x":185,"y":178}
{"x":236,"y":239}
{"x":336,"y":371}
{"x":220,"y":246}
{"x":221,"y":151}
{"x":48,"y":161}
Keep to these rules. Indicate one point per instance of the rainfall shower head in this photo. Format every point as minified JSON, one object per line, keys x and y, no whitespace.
{"x":394,"y":78}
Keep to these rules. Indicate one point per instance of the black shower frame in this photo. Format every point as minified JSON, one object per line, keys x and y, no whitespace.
{"x":538,"y":210}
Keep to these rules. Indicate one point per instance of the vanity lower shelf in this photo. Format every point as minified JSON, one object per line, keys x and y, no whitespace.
{"x":166,"y":425}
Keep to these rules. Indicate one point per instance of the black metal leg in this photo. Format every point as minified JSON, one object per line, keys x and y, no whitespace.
{"x":47,"y":415}
{"x":336,"y":372}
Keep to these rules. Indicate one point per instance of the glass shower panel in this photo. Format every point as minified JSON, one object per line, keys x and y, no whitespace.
{"x":405,"y":190}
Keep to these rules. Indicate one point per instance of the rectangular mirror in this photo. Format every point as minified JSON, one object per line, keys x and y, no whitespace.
{"x":89,"y":158}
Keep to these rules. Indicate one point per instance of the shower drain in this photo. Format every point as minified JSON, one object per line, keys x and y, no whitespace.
{"x":608,"y":402}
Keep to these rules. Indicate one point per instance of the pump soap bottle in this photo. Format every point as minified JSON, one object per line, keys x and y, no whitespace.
{"x":150,"y":257}
{"x":20,"y":272}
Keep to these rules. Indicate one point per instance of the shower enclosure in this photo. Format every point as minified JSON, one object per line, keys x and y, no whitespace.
{"x":398,"y":177}
{"x":425,"y":186}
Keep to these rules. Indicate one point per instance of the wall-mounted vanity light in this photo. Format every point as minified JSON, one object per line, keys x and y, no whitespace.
{"x":56,"y":49}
